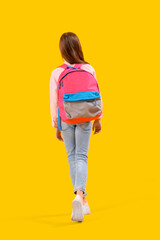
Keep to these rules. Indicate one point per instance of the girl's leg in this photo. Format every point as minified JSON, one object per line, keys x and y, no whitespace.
{"x":82,"y":139}
{"x":68,"y":134}
{"x":81,"y":194}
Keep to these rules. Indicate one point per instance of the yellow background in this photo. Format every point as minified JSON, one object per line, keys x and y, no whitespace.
{"x":120,"y":40}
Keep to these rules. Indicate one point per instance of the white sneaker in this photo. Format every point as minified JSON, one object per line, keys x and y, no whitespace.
{"x":77,"y":212}
{"x":86,"y":209}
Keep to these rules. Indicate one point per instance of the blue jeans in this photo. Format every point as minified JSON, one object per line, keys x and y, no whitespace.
{"x":76,"y":139}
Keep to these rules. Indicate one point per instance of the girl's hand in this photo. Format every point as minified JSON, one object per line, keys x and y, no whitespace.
{"x":97,"y":126}
{"x":58,"y":134}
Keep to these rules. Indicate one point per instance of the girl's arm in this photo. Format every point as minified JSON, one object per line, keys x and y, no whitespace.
{"x":94,"y":74}
{"x":53,"y":99}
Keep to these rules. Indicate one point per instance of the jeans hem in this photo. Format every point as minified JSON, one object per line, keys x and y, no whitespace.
{"x":84,"y":192}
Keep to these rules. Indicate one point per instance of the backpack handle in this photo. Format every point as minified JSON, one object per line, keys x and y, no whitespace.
{"x":77,"y":65}
{"x":72,"y":67}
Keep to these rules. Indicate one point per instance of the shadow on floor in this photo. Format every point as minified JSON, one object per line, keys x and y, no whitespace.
{"x":55,"y":219}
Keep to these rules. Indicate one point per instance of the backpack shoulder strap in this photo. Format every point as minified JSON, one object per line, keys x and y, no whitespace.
{"x":64,"y":67}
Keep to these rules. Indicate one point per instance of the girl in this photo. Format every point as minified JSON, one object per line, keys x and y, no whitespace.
{"x":76,"y":137}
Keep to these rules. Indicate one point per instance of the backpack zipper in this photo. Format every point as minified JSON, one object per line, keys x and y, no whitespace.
{"x":60,"y":81}
{"x":59,"y":121}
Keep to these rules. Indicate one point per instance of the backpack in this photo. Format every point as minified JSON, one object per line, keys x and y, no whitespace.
{"x":79,"y":98}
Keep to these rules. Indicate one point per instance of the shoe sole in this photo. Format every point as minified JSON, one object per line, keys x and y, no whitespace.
{"x":77,"y":214}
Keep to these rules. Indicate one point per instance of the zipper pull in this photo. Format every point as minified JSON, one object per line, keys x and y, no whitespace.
{"x":59,"y":85}
{"x":95,"y":102}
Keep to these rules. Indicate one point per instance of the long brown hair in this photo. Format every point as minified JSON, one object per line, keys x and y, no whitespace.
{"x":70,"y":48}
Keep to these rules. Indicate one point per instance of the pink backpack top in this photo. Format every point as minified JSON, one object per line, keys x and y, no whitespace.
{"x":79,"y":98}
